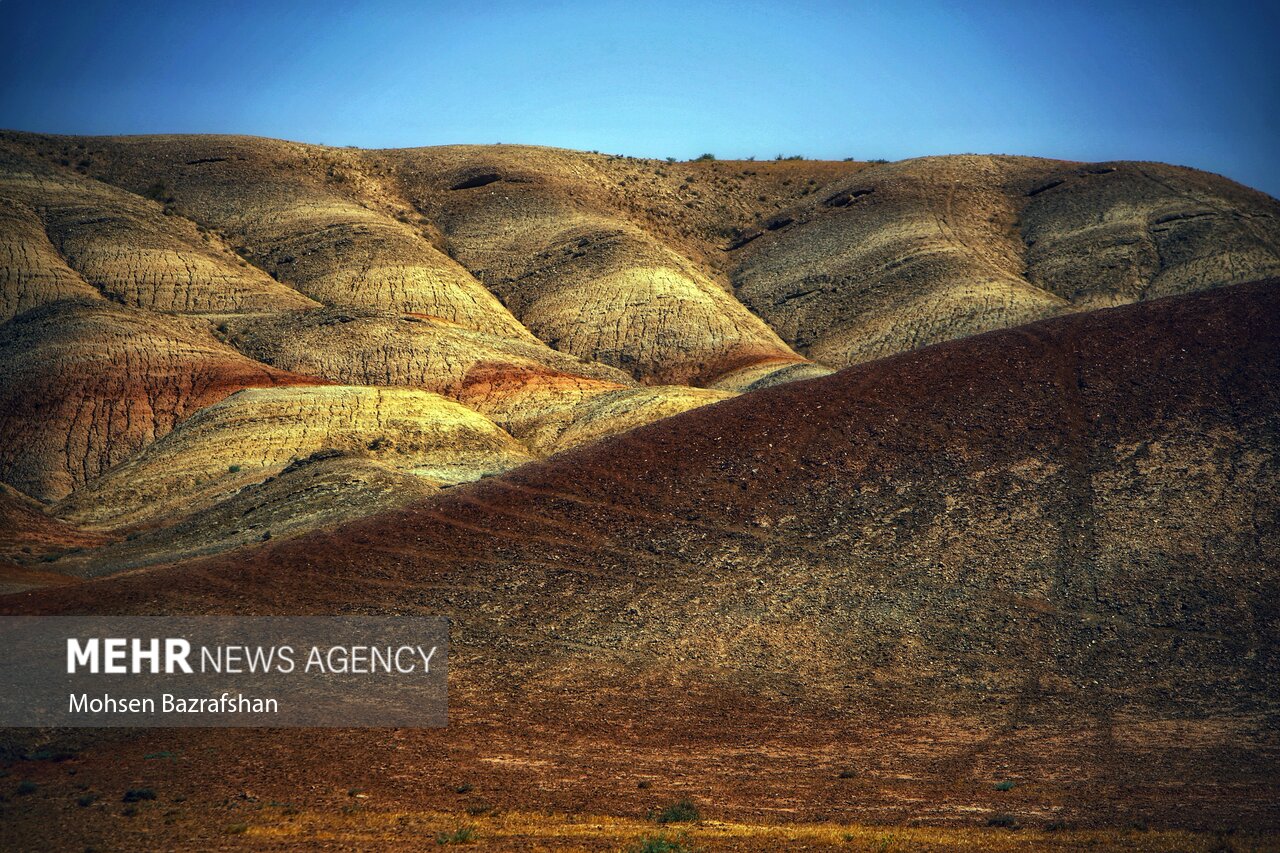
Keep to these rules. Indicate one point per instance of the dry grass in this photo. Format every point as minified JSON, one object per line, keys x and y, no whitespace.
{"x":531,"y":831}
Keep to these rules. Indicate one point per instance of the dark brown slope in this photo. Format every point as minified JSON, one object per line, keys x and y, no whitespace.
{"x":29,"y":539}
{"x":1046,"y":554}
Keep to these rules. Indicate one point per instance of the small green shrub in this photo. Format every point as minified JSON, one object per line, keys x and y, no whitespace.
{"x":86,"y":800}
{"x":1006,"y":785}
{"x":159,"y":191}
{"x":234,"y":469}
{"x":682,"y":812}
{"x":660,"y":844}
{"x":137,"y":795}
{"x":26,"y":786}
{"x":461,"y":835}
{"x":705,"y":157}
{"x":1003,"y":821}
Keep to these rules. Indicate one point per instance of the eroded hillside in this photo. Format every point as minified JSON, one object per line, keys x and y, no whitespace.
{"x":155,"y":289}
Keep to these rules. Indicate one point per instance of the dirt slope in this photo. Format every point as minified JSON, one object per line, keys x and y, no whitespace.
{"x":1045,"y":555}
{"x":28,"y":537}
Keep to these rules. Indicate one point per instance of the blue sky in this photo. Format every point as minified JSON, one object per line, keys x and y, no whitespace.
{"x":1190,"y":83}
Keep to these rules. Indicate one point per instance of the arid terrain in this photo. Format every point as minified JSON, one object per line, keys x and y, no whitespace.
{"x":922,"y":505}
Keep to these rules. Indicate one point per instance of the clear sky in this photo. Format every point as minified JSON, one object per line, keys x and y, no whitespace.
{"x":1190,"y":83}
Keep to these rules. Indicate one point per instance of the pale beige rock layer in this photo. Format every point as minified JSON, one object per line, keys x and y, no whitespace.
{"x":256,"y":433}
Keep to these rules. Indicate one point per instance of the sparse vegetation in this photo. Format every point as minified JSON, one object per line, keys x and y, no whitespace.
{"x":1006,"y":785}
{"x":1003,"y":821}
{"x":234,"y":469}
{"x":683,"y":811}
{"x":158,"y":191}
{"x":660,"y":844}
{"x":26,"y":786}
{"x":137,"y":795}
{"x":704,"y":157}
{"x":461,"y":835}
{"x":86,"y":800}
